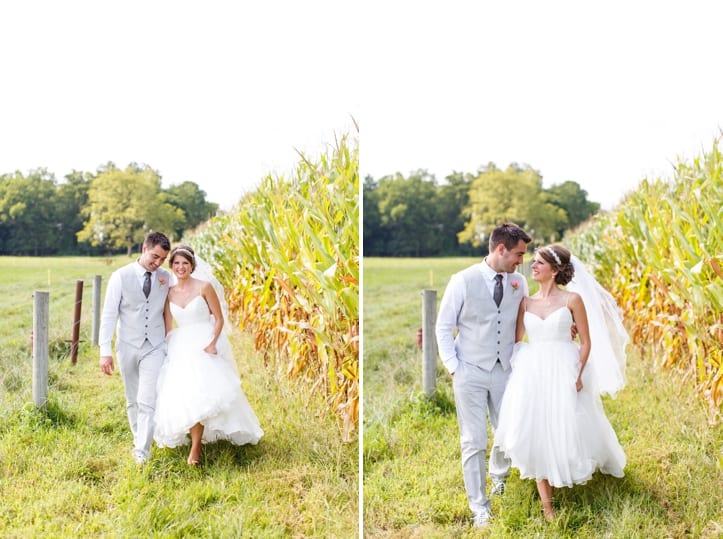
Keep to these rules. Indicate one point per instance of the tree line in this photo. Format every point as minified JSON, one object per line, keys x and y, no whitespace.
{"x":417,"y":216}
{"x":105,"y":212}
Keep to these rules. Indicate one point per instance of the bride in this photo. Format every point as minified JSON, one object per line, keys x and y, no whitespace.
{"x":552,"y":424}
{"x":199,"y":390}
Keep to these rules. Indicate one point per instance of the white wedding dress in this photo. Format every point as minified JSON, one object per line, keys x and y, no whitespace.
{"x":548,"y":429}
{"x":194,"y":386}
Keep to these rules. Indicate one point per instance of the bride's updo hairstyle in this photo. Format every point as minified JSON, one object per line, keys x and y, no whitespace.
{"x":186,"y":252}
{"x":559,"y":259}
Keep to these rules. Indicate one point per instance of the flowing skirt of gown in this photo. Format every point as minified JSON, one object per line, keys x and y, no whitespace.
{"x":196,"y":387}
{"x":548,"y":429}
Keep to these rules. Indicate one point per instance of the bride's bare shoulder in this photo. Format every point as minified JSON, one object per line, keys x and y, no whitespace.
{"x":573,"y":299}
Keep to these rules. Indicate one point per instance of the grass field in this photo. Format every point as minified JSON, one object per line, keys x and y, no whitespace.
{"x":68,"y":472}
{"x":673,"y":484}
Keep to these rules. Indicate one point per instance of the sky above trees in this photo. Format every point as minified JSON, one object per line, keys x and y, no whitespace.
{"x":602,"y":94}
{"x":222,"y":94}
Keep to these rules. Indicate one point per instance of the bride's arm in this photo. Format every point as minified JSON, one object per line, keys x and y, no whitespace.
{"x":209,"y":294}
{"x":579,"y":315}
{"x":167,"y":316}
{"x":520,"y":328}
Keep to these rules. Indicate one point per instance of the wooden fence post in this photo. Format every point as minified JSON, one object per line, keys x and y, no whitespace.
{"x":96,"y":310}
{"x":76,"y":322}
{"x":41,"y":310}
{"x":429,"y":342}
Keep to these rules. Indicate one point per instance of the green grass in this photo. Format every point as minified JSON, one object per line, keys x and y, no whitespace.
{"x":68,"y":472}
{"x":673,"y":484}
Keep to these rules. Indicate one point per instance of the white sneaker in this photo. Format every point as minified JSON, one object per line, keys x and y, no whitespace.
{"x":498,"y":487}
{"x":139,"y":457}
{"x":481,"y":519}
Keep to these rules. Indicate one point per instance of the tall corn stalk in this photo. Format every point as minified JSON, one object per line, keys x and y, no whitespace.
{"x":661,"y":254}
{"x":288,"y":257}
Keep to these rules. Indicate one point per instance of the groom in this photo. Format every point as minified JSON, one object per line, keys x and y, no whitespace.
{"x":135,"y":298}
{"x":481,"y":303}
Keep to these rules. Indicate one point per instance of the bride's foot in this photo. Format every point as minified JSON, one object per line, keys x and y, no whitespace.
{"x":194,"y":458}
{"x":547,"y":511}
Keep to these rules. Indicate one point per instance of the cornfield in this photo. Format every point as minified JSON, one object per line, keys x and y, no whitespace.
{"x":660,"y":253}
{"x":288,"y":257}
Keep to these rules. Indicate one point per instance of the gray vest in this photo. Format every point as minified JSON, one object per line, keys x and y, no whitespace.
{"x":486,"y":333}
{"x":141,"y":318}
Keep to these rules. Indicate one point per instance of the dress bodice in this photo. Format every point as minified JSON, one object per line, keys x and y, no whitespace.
{"x":195,"y":312}
{"x":555,"y":327}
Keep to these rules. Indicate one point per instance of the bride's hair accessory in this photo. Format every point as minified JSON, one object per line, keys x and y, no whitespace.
{"x":554,"y":255}
{"x":183,"y":250}
{"x":559,"y":259}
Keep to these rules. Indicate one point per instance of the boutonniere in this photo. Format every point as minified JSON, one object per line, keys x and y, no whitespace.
{"x":162,"y":281}
{"x":515,"y":285}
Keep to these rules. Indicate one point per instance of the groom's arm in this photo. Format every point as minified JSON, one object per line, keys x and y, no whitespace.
{"x":449,"y":309}
{"x":108,"y":319}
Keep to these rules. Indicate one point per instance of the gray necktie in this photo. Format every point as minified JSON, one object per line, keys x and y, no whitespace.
{"x":498,"y":289}
{"x":147,"y":284}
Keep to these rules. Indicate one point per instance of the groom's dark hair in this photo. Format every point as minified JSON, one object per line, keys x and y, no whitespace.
{"x":509,"y":234}
{"x":157,"y":238}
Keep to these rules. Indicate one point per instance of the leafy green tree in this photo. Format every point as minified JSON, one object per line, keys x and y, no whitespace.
{"x":511,"y":195}
{"x":28,"y":215}
{"x":71,"y":199}
{"x":374,"y":234}
{"x":414,"y":216}
{"x":189,"y":198}
{"x":451,"y":199}
{"x":573,"y":199}
{"x":406,"y":208}
{"x":123,"y":205}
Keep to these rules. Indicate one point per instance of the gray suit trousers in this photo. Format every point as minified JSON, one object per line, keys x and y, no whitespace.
{"x":139,"y":368}
{"x":477,"y":393}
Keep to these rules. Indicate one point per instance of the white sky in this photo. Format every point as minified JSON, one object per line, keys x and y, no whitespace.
{"x":219,"y":93}
{"x":600,"y":93}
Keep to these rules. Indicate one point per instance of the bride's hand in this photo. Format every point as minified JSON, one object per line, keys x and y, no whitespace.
{"x":211,"y":349}
{"x":578,"y":384}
